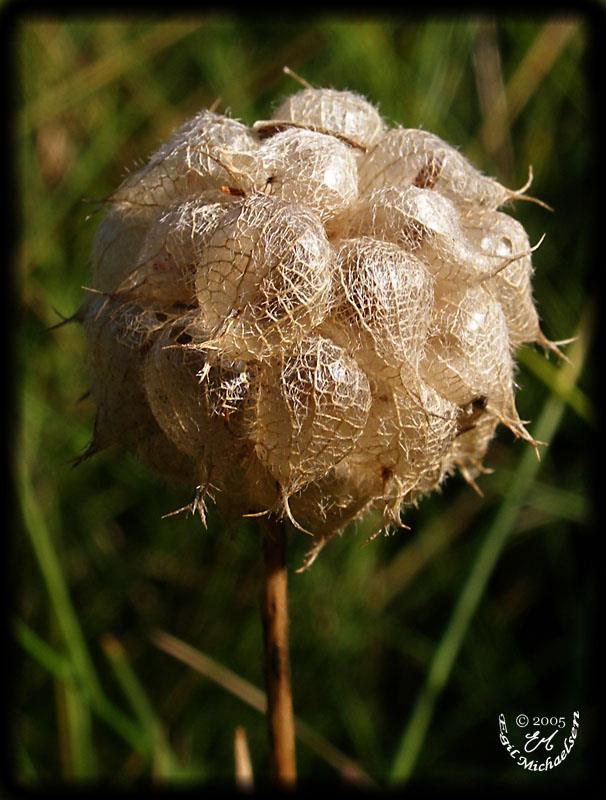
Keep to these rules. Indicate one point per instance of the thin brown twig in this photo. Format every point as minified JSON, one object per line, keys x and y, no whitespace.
{"x":242,"y":762}
{"x":274,"y":609}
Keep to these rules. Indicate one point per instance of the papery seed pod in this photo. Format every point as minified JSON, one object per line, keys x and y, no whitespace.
{"x":264,"y":278}
{"x":119,"y":336}
{"x":117,"y":245}
{"x":208,"y":151}
{"x":381,"y":299}
{"x":313,"y":318}
{"x":427,"y":224}
{"x":470,"y":447}
{"x":172,"y":250}
{"x":468,"y":355}
{"x":309,"y":410}
{"x":411,"y":157}
{"x":330,"y":504}
{"x":183,"y":390}
{"x":407,"y":434}
{"x":311,"y":168}
{"x":165,"y":459}
{"x":501,"y":235}
{"x":199,"y":406}
{"x":339,"y":113}
{"x":404,"y":216}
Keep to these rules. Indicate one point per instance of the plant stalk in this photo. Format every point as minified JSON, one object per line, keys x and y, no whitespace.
{"x":274,"y":605}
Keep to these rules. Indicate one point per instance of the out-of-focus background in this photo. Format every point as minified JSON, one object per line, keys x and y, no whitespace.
{"x":404,"y":652}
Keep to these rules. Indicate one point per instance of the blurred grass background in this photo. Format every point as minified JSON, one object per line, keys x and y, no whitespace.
{"x":403,"y":652}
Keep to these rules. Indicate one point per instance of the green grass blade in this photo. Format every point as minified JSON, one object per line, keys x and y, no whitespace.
{"x":81,"y":753}
{"x":56,"y":586}
{"x":446,"y":653}
{"x":84,"y":685}
{"x":61,"y":668}
{"x":548,"y":373}
{"x":165,"y":762}
{"x":52,"y":661}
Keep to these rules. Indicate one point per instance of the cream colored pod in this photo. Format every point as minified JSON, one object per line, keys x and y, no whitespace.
{"x":345,"y":115}
{"x":310,"y":317}
{"x":207,"y":152}
{"x":309,"y":412}
{"x":411,"y":157}
{"x":312,"y":169}
{"x":382,"y":294}
{"x":264,"y":277}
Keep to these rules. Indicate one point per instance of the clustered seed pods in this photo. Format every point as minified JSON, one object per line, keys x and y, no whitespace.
{"x":311,"y":317}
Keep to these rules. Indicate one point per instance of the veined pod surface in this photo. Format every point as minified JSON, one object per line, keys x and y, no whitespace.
{"x":310,"y":168}
{"x":117,"y":245}
{"x":381,"y":297}
{"x":208,"y":151}
{"x":469,"y":354}
{"x":429,"y":225}
{"x":407,"y":433}
{"x":470,"y":446}
{"x":412,"y":157}
{"x":199,"y":405}
{"x":265,"y":277}
{"x":340,"y":113}
{"x":309,"y":410}
{"x":119,"y":336}
{"x":172,"y":251}
{"x":504,"y":236}
{"x":326,"y":505}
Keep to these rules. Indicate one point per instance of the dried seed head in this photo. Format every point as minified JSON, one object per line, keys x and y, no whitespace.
{"x":410,"y":428}
{"x":468,"y":354}
{"x":119,"y":335}
{"x":405,"y":216}
{"x":428,"y":224}
{"x":117,"y":245}
{"x":330,"y":503}
{"x":171,"y":252}
{"x":470,"y":445}
{"x":313,"y":318}
{"x":501,"y":235}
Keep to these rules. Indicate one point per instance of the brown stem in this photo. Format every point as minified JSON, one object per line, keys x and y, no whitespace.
{"x":274,"y":600}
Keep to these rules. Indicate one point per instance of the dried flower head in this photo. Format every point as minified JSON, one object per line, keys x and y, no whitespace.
{"x":310,"y":317}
